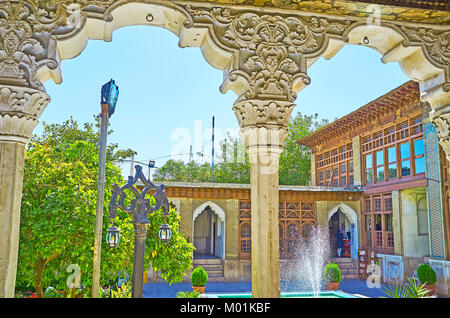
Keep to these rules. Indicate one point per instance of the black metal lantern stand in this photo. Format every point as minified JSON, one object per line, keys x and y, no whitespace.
{"x":140,"y":208}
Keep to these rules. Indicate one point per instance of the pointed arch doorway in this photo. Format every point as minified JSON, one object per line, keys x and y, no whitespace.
{"x":344,"y":219}
{"x":208,"y":231}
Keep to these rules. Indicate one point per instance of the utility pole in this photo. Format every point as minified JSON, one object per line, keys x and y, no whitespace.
{"x":108,"y":102}
{"x":132,"y":165}
{"x":212,"y":152}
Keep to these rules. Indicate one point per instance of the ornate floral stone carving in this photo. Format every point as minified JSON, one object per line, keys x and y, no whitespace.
{"x":20,"y":108}
{"x":272,"y":48}
{"x":435,"y":45}
{"x":25,"y":29}
{"x":442,"y":124}
{"x":263,"y":112}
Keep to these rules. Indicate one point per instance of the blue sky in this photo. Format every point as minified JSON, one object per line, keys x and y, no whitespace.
{"x":169,"y":94}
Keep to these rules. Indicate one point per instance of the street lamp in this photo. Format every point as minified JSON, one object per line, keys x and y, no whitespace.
{"x":151,"y":164}
{"x":108,"y":101}
{"x":165,"y":233}
{"x":140,"y":208}
{"x":113,"y":236}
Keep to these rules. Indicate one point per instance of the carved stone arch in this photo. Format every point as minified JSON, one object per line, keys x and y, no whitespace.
{"x":221,"y":230}
{"x":70,"y":42}
{"x":353,"y":218}
{"x":348,"y":211}
{"x":395,"y":43}
{"x":214,"y":207}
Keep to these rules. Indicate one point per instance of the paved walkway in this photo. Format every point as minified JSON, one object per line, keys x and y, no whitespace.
{"x":164,"y":290}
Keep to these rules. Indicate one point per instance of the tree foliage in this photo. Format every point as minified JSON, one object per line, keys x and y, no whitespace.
{"x":58,"y":213}
{"x":233,"y":166}
{"x":295,"y":160}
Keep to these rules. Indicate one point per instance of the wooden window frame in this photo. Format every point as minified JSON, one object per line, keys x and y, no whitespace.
{"x":370,"y":238}
{"x":335,"y":157}
{"x":406,"y":131}
{"x":304,"y":215}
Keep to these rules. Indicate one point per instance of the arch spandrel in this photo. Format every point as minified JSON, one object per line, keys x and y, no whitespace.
{"x":264,"y":52}
{"x":264,"y":48}
{"x":60,"y":30}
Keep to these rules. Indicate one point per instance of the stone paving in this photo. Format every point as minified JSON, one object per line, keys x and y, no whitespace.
{"x":164,"y":290}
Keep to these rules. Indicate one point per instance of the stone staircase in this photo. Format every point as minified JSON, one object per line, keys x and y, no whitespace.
{"x":348,"y":267}
{"x":213,"y":266}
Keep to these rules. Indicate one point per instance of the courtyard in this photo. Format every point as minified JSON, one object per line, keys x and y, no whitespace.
{"x":164,"y":290}
{"x":234,"y":189}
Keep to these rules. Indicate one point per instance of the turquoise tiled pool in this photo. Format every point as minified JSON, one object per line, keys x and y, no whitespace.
{"x":323,"y":294}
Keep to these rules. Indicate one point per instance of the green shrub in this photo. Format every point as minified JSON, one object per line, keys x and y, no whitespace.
{"x":426,"y":274}
{"x":332,"y":273}
{"x":410,"y":289}
{"x":188,"y":294}
{"x":199,"y":277}
{"x":124,"y":291}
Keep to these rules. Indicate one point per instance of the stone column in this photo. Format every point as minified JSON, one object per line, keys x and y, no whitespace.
{"x":437,"y":94}
{"x":264,"y":129}
{"x":397,"y":223}
{"x":19,"y":109}
{"x":357,"y":169}
{"x":313,"y":169}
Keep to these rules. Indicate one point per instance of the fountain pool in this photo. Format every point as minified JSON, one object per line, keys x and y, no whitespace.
{"x":322,"y":294}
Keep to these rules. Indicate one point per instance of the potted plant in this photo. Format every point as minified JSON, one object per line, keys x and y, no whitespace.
{"x":332,"y":275}
{"x":199,"y":277}
{"x":427,"y":276}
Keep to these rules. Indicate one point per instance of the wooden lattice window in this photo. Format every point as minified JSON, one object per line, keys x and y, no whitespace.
{"x":378,"y":232}
{"x":394,"y":152}
{"x":335,"y":166}
{"x":244,"y":229}
{"x":296,"y":219}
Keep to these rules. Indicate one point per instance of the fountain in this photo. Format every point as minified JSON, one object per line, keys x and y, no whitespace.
{"x":304,"y":272}
{"x":302,"y":276}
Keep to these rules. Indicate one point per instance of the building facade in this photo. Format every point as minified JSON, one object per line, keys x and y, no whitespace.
{"x":387,"y":148}
{"x":375,"y":179}
{"x":217,"y":218}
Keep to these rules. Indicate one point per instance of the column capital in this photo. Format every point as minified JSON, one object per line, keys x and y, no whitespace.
{"x":20,"y":109}
{"x":256,"y":112}
{"x":442,"y":123}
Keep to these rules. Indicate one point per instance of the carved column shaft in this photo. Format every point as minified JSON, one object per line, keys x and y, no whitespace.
{"x":264,"y":129}
{"x":19,"y":110}
{"x":11,"y":177}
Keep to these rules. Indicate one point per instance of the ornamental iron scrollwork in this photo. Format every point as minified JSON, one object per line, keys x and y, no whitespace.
{"x":140,"y":206}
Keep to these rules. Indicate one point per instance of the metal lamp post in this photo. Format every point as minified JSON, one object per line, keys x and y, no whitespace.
{"x":109,"y":94}
{"x":151,"y":164}
{"x":140,"y":208}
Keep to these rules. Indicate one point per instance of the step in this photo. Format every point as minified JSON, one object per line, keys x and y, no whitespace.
{"x":343,"y":260}
{"x":216,"y":279}
{"x":212,"y":266}
{"x":215,"y":273}
{"x":349,"y":276}
{"x":347,"y":265}
{"x":204,"y":261}
{"x":208,"y":267}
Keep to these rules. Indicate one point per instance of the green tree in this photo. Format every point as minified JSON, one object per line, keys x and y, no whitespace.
{"x":233,"y":165}
{"x":173,"y":170}
{"x":295,"y":160}
{"x":58,"y":211}
{"x":172,"y":259}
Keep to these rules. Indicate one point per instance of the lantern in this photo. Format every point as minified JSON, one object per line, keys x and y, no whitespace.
{"x":109,"y":94}
{"x":113,"y":236}
{"x":165,"y":233}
